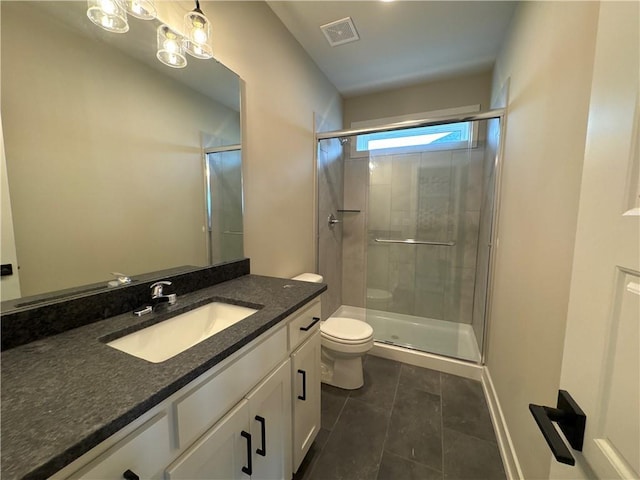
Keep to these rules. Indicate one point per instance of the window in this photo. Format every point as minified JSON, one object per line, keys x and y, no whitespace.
{"x":453,"y":135}
{"x":437,"y":137}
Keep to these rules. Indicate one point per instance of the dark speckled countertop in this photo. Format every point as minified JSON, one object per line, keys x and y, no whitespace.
{"x":64,"y":394}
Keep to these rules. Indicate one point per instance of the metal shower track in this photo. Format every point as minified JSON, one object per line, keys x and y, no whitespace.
{"x":427,"y":122}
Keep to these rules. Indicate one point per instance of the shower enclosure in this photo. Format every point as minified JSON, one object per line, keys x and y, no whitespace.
{"x":224,"y":203}
{"x":406,"y":215}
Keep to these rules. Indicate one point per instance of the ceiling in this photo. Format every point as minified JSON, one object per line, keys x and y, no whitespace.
{"x":401,"y":42}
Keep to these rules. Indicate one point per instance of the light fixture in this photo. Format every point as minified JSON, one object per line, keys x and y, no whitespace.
{"x":108,"y":14}
{"x":171,"y":47}
{"x":142,"y":9}
{"x":197,"y":29}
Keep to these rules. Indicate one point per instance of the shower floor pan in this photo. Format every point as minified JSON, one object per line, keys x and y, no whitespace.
{"x":440,"y":337}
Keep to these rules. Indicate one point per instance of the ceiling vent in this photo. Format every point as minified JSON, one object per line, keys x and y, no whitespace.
{"x":340,"y":32}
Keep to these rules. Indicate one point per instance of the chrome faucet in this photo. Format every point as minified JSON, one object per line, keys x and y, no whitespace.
{"x":157,"y":297}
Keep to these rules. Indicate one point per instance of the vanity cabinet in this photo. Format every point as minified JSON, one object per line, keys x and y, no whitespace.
{"x":304,"y":337}
{"x":252,"y":440}
{"x":252,"y":415}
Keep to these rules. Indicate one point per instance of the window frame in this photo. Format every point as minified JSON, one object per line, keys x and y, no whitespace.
{"x":471,"y":143}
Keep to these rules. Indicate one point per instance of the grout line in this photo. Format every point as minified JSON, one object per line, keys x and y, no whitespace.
{"x":473,"y":436}
{"x":413,"y":460}
{"x":442,"y":424}
{"x":393,"y":404}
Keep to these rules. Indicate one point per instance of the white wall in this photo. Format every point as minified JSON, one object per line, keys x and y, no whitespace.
{"x":548,"y":56}
{"x":283,"y":90}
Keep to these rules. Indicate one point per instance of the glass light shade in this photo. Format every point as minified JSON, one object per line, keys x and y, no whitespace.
{"x":143,"y":9}
{"x":171,"y":47}
{"x":108,"y":14}
{"x":198,"y":31}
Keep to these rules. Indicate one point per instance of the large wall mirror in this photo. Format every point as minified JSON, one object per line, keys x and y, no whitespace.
{"x":115,"y":162}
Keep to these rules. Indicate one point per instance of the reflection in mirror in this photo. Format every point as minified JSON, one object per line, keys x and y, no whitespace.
{"x":224,"y":203}
{"x":105,"y":150}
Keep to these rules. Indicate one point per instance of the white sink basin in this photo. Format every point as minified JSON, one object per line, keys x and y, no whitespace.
{"x":164,"y":340}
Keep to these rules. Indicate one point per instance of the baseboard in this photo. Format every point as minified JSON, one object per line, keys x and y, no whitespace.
{"x":505,"y":445}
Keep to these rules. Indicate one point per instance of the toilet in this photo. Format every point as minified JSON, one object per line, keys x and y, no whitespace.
{"x":379,"y":299}
{"x":344,"y":342}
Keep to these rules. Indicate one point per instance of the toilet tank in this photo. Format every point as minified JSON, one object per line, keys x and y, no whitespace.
{"x":309,"y":277}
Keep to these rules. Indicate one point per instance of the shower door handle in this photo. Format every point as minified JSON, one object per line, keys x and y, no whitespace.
{"x":411,"y":241}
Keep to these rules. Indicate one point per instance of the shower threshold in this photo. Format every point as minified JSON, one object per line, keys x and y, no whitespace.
{"x":451,"y":339}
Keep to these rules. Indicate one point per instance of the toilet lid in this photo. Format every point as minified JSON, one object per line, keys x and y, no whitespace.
{"x":346,"y":328}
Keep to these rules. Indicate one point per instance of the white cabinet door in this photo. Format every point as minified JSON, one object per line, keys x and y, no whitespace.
{"x":270,"y":419}
{"x":305,"y":368}
{"x":222,"y":453}
{"x":601,"y":364}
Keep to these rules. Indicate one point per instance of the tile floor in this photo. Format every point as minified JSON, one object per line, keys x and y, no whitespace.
{"x":405,"y":423}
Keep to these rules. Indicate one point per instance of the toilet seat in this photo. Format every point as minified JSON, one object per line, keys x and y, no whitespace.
{"x":346,"y":330}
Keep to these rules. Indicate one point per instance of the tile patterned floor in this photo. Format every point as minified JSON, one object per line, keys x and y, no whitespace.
{"x":406,"y":423}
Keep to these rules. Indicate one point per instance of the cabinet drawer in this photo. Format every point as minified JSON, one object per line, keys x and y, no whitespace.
{"x":145,"y":452}
{"x":201,"y":407}
{"x":304,"y":325}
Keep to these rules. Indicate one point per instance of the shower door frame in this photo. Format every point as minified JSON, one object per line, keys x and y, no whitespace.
{"x":207,"y":193}
{"x":498,"y":113}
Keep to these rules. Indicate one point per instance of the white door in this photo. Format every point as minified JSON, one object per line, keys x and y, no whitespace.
{"x":222,"y":453}
{"x":270,"y":418}
{"x":601,"y":364}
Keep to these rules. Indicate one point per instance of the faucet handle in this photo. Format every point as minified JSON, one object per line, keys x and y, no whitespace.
{"x":156,"y":288}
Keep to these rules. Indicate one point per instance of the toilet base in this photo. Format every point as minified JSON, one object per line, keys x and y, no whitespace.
{"x":345,"y":373}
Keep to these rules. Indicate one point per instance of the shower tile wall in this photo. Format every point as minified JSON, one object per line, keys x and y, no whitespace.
{"x":356,"y":180}
{"x":432,"y":196}
{"x":330,"y":198}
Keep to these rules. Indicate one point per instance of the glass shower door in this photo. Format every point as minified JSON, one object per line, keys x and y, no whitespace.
{"x":224,"y":205}
{"x":423,"y":222}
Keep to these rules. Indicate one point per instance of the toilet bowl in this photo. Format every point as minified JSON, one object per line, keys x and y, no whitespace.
{"x":379,"y":299}
{"x":344,"y":341}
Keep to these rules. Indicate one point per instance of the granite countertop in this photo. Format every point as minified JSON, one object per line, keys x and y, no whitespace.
{"x":63,"y":395}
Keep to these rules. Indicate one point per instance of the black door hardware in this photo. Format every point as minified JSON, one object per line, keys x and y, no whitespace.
{"x":571,"y":420}
{"x":249,"y":468}
{"x":303,"y":397}
{"x":129,"y":475}
{"x":308,"y":327}
{"x":263,"y":427}
{"x":6,"y":269}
